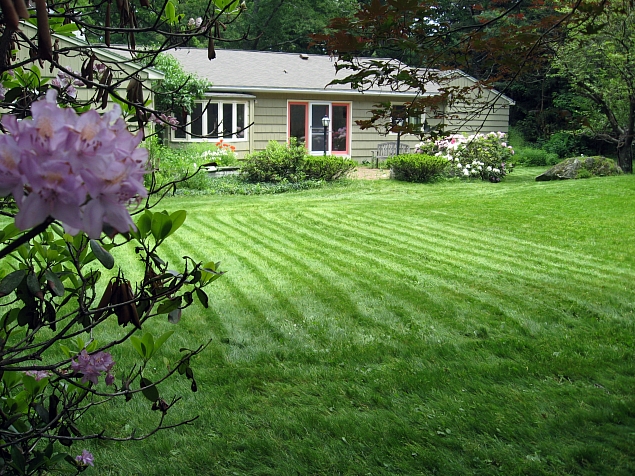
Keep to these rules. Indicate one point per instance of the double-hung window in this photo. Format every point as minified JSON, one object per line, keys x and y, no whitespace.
{"x":211,"y":121}
{"x":304,"y":121}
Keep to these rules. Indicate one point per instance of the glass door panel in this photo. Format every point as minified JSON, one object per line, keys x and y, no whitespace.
{"x":318,"y":111}
{"x":297,"y":122}
{"x":339,"y":124}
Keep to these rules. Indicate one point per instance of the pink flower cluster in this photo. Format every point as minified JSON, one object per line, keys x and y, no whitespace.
{"x":92,"y":365}
{"x":38,"y":374}
{"x":165,"y":119}
{"x":85,"y":459}
{"x":83,"y":170}
{"x":66,"y":82}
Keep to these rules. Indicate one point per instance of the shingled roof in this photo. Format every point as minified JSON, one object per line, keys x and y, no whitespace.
{"x":260,"y":71}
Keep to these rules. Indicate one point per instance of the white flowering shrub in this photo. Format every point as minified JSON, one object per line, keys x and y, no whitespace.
{"x":482,"y":156}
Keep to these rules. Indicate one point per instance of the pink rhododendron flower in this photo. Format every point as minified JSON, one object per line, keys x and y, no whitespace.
{"x":85,"y":459}
{"x":91,"y":366}
{"x":38,"y":374}
{"x":83,"y":170}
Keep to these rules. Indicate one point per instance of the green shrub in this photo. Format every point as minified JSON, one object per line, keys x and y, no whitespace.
{"x":417,"y":167}
{"x":531,"y":157}
{"x":330,"y":167}
{"x":564,"y":144}
{"x":277,"y":163}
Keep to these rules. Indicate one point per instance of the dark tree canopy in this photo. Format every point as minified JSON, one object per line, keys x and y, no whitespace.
{"x":501,"y":43}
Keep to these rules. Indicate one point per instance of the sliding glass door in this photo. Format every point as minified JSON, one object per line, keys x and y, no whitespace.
{"x":305,"y":125}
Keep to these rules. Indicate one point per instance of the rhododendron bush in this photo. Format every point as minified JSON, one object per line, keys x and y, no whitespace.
{"x":72,"y":191}
{"x":74,"y":180}
{"x":482,"y":156}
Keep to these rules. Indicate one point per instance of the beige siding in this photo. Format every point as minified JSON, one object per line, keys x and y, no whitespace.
{"x":121,"y":68}
{"x":365,"y":141}
{"x":487,"y":111}
{"x":269,"y":116}
{"x":270,"y":122}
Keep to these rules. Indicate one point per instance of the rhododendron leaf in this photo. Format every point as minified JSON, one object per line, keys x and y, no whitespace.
{"x":210,"y":272}
{"x":202,"y":296}
{"x":23,"y":251}
{"x":178,"y":217}
{"x":151,"y":392}
{"x":144,"y":223}
{"x":33,"y":284}
{"x":148,"y":342}
{"x":11,"y":378}
{"x":11,"y":281}
{"x":170,"y":12}
{"x":66,"y":351}
{"x":92,"y":345}
{"x":136,"y":343}
{"x":102,"y":255}
{"x":66,"y":30}
{"x":169,"y":305}
{"x":161,"y":226}
{"x":175,"y":316}
{"x":223,"y":3}
{"x":161,"y":340}
{"x":54,"y":283}
{"x":17,"y":459}
{"x":10,"y":231}
{"x":39,"y":249}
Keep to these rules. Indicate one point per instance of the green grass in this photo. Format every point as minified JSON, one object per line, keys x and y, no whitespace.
{"x":391,"y":328}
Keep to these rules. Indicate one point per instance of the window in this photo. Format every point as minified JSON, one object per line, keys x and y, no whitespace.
{"x":399,"y":112}
{"x":304,"y":120}
{"x":210,"y":121}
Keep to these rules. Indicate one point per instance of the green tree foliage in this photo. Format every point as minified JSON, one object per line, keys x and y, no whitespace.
{"x":493,"y":41}
{"x":178,"y":90}
{"x":286,"y":25}
{"x":597,"y":60}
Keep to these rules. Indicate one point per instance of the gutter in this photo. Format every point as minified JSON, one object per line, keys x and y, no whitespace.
{"x":253,"y":90}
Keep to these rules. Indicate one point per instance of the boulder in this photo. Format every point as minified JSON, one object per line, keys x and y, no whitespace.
{"x":581,"y":167}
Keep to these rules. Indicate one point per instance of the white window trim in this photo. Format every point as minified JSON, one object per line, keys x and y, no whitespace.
{"x":234,"y":127}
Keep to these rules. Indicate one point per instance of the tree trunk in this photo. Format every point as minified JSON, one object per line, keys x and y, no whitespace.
{"x":625,"y":153}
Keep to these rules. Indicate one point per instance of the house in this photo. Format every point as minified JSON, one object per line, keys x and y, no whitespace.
{"x":117,"y":59}
{"x":260,"y":96}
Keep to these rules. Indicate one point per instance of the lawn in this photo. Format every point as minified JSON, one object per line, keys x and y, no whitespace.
{"x":388,"y":328}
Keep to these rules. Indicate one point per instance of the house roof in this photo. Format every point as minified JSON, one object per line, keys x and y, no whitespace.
{"x":266,"y":71}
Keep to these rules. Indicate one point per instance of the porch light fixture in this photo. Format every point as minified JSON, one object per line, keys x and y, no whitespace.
{"x":399,"y":122}
{"x":326,"y":120}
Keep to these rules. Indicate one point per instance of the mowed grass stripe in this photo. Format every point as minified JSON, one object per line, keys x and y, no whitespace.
{"x":335,"y":302}
{"x":266,"y":279}
{"x":450,"y":246}
{"x":450,"y":273}
{"x":586,"y":263}
{"x":387,"y":289}
{"x":340,"y":268}
{"x":490,"y":245}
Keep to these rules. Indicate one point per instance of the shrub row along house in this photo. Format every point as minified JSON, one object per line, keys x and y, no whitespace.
{"x":261,"y":96}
